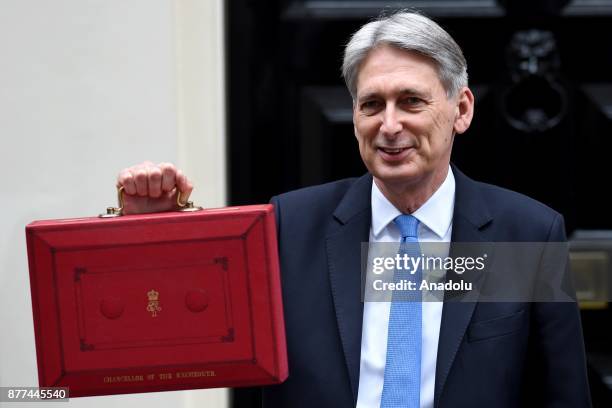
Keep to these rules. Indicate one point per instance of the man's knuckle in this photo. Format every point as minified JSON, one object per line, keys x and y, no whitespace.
{"x":167,"y":167}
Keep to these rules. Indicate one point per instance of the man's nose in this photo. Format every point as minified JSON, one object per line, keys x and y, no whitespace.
{"x":390,"y":121}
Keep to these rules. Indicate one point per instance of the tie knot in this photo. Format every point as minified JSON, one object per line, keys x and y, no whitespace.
{"x":408,"y":226}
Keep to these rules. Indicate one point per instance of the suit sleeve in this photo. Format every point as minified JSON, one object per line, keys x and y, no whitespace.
{"x":560,"y":373}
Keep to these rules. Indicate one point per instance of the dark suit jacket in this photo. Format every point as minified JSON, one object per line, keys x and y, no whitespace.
{"x":489,"y":354}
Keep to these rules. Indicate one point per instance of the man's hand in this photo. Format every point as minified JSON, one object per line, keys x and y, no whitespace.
{"x":152,"y":188}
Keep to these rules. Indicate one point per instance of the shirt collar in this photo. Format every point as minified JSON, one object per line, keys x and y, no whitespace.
{"x":436,"y":213}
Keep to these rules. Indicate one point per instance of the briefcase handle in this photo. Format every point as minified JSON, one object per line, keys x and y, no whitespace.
{"x":112,"y":212}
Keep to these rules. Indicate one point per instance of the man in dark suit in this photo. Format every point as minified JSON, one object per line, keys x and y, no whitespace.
{"x":408,"y":80}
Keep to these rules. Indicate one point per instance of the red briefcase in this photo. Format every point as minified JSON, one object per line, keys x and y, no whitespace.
{"x":157,"y":302}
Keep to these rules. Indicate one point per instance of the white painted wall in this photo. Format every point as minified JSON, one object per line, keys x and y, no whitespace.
{"x":88,"y":87}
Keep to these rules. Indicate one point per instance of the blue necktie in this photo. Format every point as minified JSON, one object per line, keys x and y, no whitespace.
{"x":402,"y":384}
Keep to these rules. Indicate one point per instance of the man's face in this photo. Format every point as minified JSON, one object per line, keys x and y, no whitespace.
{"x":404,"y":121}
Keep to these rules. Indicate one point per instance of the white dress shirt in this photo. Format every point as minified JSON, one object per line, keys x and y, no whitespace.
{"x":435,"y":217}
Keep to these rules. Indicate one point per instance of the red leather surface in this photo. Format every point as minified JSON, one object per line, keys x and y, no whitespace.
{"x":158,"y":302}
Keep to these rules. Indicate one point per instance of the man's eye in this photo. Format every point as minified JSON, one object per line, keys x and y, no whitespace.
{"x":411,"y":101}
{"x":370,"y":106}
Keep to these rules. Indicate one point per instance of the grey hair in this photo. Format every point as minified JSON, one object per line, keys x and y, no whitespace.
{"x":410,"y":31}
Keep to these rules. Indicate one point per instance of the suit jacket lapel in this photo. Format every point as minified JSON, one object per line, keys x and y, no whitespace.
{"x":470,"y":218}
{"x":351,"y":226}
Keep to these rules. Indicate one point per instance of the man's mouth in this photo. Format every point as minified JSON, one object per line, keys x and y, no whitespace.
{"x":394,"y":150}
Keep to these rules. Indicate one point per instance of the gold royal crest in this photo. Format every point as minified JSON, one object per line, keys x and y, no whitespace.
{"x":153,"y":305}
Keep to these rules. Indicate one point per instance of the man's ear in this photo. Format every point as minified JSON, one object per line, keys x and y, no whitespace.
{"x":464,"y":109}
{"x":354,"y":114}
